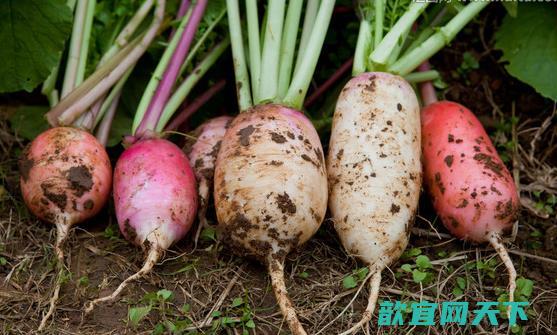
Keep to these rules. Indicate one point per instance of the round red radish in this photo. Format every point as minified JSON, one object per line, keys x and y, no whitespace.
{"x":65,"y":178}
{"x":471,"y":189}
{"x":270,"y":189}
{"x":155,"y":200}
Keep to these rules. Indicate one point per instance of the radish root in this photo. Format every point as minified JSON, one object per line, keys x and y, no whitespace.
{"x":374,"y":285}
{"x":495,"y":241}
{"x":62,"y":230}
{"x":276,"y":271}
{"x":152,"y":257}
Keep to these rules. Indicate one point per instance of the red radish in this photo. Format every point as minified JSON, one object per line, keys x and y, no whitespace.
{"x":270,"y":180}
{"x":375,"y":171}
{"x":155,"y":200}
{"x":271,"y":189}
{"x":203,"y":155}
{"x":470,"y":187}
{"x":65,"y":179}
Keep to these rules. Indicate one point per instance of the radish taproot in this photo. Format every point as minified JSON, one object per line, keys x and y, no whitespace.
{"x":373,"y":164}
{"x":270,"y":184}
{"x":65,"y":179}
{"x":470,"y":187}
{"x":203,"y":154}
{"x":374,"y":171}
{"x":155,"y":192}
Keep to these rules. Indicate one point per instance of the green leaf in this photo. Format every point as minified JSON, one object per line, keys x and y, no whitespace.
{"x":250,"y":324}
{"x":412,"y":253}
{"x":524,"y":287}
{"x":32,"y":36}
{"x":186,"y":308}
{"x":208,"y":234}
{"x":511,"y":7}
{"x":164,"y":294}
{"x":361,"y":273}
{"x":406,"y":267}
{"x":529,"y":44}
{"x":29,"y":121}
{"x":349,"y":282}
{"x":304,"y":275}
{"x":3,"y":261}
{"x":136,"y":314}
{"x":423,"y":262}
{"x":461,"y":282}
{"x":418,"y":276}
{"x":237,"y":302}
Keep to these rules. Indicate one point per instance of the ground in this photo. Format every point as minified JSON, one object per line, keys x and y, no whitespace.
{"x":208,"y":290}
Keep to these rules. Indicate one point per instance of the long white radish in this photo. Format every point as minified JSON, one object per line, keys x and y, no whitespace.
{"x":374,"y":171}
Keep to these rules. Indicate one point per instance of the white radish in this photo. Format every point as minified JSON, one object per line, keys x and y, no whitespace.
{"x":374,"y":171}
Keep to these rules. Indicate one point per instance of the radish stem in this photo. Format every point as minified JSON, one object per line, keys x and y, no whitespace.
{"x":301,"y":80}
{"x":254,"y":48}
{"x":363,"y":47}
{"x":288,"y":45}
{"x":379,"y":18}
{"x":434,"y":43}
{"x":239,"y":60}
{"x":72,"y":64}
{"x":104,"y":128}
{"x":153,"y":256}
{"x":187,"y":85}
{"x":418,"y":77}
{"x":190,"y":109}
{"x":156,"y":105}
{"x":182,"y":10}
{"x":268,"y":88}
{"x":309,"y":21}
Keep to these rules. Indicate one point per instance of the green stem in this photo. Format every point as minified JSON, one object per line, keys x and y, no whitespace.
{"x":86,"y":37}
{"x":419,"y":77}
{"x":379,"y":18}
{"x":72,"y":64}
{"x":116,"y":90}
{"x":187,"y":85}
{"x":159,"y":71}
{"x":290,"y":33}
{"x":309,"y":20}
{"x":254,"y":46}
{"x":270,"y":59}
{"x":438,"y":40}
{"x":300,"y":83}
{"x":363,"y":46}
{"x":201,"y":41}
{"x":238,"y":58}
{"x":380,"y":55}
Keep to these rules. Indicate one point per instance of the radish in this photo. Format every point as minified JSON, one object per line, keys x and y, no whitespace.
{"x":270,"y":184}
{"x":471,"y":189}
{"x":203,"y":155}
{"x":65,"y":178}
{"x":154,"y":186}
{"x":373,"y":164}
{"x":65,"y":172}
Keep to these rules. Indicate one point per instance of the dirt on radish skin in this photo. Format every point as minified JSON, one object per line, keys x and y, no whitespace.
{"x":65,"y":178}
{"x":375,"y":171}
{"x":203,"y":154}
{"x":270,"y":189}
{"x":155,"y":200}
{"x":471,"y":189}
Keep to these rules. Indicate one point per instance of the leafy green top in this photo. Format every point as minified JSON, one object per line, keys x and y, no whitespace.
{"x":32,"y":36}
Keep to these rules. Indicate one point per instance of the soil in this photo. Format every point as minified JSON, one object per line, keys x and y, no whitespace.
{"x":99,"y":258}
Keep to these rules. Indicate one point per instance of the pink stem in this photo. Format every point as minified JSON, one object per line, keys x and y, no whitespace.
{"x":190,"y":109}
{"x":104,"y":127}
{"x":327,"y":84}
{"x":160,"y":98}
{"x":426,"y":88}
{"x":184,"y":6}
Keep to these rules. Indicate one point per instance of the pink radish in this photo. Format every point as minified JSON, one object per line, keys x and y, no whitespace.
{"x":203,"y":155}
{"x":65,"y":179}
{"x":470,"y":187}
{"x":154,"y":186}
{"x":155,"y":200}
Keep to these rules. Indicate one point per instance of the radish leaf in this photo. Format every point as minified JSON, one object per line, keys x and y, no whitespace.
{"x":529,"y":44}
{"x":32,"y":36}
